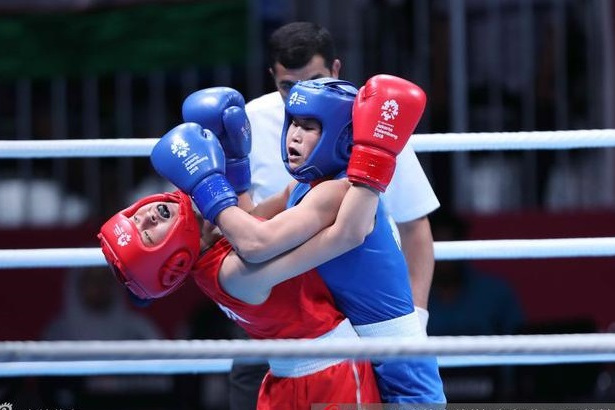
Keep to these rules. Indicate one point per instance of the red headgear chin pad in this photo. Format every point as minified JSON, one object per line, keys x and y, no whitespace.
{"x":152,"y":271}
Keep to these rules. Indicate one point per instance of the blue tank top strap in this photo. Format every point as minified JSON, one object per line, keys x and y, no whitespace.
{"x":302,"y":188}
{"x":297,"y":194}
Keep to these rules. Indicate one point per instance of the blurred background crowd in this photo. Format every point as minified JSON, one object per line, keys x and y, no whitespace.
{"x":74,"y":69}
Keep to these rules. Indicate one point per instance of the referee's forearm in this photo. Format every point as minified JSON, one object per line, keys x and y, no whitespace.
{"x":417,"y":246}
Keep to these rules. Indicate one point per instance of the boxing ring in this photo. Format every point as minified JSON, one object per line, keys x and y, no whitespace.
{"x":28,"y":358}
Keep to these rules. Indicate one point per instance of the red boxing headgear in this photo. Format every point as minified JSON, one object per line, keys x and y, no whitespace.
{"x":155,"y":271}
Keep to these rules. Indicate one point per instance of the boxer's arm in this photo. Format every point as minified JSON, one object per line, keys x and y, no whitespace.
{"x":355,"y":220}
{"x":257,"y":241}
{"x":271,"y":206}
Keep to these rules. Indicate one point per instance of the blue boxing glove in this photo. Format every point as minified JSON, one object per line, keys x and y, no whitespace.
{"x":221,"y":110}
{"x":192,"y":159}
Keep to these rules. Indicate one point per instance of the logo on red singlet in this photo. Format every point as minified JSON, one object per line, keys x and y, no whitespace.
{"x":230,"y":314}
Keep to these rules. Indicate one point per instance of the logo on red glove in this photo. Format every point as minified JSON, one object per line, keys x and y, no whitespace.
{"x":390,"y":110}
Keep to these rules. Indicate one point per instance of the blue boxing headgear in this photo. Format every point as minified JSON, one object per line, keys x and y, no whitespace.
{"x":329,"y":101}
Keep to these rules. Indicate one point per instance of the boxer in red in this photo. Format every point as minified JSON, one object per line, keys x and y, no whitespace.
{"x":155,"y":244}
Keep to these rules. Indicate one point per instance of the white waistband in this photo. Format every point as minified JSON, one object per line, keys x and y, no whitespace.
{"x":404,"y":326}
{"x":294,"y":367}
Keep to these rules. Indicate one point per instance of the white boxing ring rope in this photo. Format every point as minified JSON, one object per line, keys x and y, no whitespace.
{"x":208,"y":356}
{"x":214,"y":356}
{"x":443,"y":250}
{"x":478,"y":141}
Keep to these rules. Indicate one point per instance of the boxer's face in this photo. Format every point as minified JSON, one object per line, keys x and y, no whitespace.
{"x":302,"y":136}
{"x":285,"y":78}
{"x":154,"y":220}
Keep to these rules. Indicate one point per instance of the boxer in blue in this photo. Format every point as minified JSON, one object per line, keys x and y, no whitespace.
{"x":369,"y":283}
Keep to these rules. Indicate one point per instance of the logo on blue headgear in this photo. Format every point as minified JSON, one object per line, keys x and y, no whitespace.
{"x":329,"y":101}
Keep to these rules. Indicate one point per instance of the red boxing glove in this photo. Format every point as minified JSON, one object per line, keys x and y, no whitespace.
{"x":384,"y":116}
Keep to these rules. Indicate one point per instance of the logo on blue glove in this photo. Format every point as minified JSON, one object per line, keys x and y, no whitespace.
{"x":246,"y":130}
{"x":180,"y":148}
